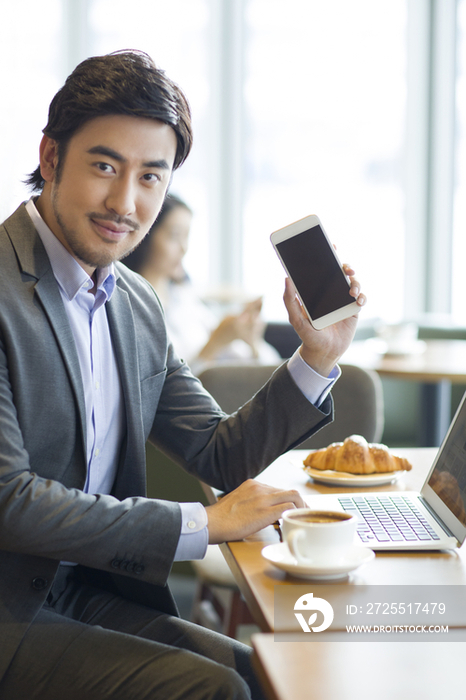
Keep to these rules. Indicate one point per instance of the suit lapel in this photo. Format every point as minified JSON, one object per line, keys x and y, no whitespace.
{"x":34,"y":263}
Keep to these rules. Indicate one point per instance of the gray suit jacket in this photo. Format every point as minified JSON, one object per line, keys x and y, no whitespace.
{"x":44,"y":515}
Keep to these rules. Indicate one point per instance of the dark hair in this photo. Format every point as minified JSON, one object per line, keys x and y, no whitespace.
{"x":123,"y":82}
{"x":138,"y":257}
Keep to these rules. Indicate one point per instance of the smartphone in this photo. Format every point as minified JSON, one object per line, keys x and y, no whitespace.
{"x":312,"y":264}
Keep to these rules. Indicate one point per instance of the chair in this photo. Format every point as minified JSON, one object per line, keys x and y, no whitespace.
{"x":359,"y":409}
{"x":357,"y":397}
{"x":232,"y":384}
{"x":218,"y":603}
{"x":283,"y":337}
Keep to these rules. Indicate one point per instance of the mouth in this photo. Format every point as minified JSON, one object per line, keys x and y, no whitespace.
{"x":111,"y":230}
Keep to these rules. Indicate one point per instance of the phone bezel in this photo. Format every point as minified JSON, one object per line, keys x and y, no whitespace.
{"x":294,"y":229}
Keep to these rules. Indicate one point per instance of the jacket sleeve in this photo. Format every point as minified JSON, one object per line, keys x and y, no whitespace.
{"x":184,"y":421}
{"x":225,"y":450}
{"x":42,"y":517}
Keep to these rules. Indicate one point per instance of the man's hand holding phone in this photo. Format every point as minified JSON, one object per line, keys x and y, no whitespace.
{"x":322,"y":296}
{"x":322,"y":349}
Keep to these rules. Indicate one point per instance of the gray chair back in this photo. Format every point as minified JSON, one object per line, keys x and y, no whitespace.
{"x":357,"y":395}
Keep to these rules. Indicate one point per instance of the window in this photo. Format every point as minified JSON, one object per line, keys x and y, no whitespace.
{"x":352,"y":111}
{"x":459,"y":218}
{"x":31,"y":52}
{"x":325,"y":103}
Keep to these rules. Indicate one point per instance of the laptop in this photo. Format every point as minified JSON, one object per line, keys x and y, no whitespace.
{"x":432,"y":519}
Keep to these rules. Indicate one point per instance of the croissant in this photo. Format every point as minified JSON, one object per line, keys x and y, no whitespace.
{"x":356,"y":456}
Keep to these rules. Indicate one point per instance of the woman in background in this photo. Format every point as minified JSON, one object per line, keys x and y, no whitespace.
{"x":194,"y":329}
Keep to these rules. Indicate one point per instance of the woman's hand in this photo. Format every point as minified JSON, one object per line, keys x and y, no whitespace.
{"x":247,"y":326}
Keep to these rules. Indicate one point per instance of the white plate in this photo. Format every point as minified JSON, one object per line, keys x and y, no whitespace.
{"x":280,"y":556}
{"x":328,"y":476}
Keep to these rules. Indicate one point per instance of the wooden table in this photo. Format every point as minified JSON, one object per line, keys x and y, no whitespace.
{"x":345,"y":669}
{"x":442,"y":364}
{"x":257,"y":578}
{"x":341,"y":670}
{"x":442,"y":359}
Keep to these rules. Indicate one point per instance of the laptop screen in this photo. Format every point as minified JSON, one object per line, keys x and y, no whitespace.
{"x":448,"y":479}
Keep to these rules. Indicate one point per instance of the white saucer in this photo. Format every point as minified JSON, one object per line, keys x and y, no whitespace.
{"x":280,"y":556}
{"x":328,"y":476}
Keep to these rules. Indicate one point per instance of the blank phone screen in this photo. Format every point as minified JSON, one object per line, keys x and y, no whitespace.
{"x":315,"y":272}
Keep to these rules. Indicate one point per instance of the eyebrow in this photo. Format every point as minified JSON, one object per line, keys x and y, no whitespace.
{"x":110,"y":153}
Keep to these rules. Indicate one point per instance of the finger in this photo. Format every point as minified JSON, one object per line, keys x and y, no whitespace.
{"x":348,"y":269}
{"x":284,"y":499}
{"x":266,"y":495}
{"x":290,"y":289}
{"x":361,"y":300}
{"x":355,"y":287}
{"x":292,"y":496}
{"x":257,"y":304}
{"x":293,"y":305}
{"x":356,"y":293}
{"x":275,"y":513}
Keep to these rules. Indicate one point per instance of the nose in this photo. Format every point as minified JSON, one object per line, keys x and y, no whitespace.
{"x":121,"y":197}
{"x":183,"y":241}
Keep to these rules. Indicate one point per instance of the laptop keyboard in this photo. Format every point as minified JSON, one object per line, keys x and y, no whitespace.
{"x":388,"y":519}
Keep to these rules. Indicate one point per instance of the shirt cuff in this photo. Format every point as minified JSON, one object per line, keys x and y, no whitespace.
{"x":314,"y":387}
{"x":194,"y":536}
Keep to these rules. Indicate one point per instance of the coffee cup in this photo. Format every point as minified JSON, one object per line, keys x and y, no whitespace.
{"x":318,"y":536}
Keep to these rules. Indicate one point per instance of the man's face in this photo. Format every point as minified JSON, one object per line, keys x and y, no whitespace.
{"x":112,"y":184}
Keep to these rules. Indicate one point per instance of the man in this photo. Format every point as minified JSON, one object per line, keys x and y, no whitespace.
{"x":87,"y":375}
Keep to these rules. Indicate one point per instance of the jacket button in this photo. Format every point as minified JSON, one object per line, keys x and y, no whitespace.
{"x":39,"y":583}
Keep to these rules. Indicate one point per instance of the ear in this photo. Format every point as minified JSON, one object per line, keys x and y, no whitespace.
{"x":48,"y":153}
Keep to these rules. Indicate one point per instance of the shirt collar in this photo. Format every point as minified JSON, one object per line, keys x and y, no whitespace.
{"x":67,"y":271}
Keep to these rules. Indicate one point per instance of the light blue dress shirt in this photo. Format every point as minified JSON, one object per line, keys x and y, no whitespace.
{"x":105,"y":412}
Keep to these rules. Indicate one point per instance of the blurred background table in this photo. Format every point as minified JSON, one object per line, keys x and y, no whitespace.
{"x":441,"y":364}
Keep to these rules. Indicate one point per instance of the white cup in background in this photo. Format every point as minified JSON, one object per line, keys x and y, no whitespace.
{"x":318,"y":537}
{"x":399,"y":337}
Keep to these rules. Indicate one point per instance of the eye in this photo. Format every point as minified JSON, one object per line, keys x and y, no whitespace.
{"x":151,"y":177}
{"x":104,"y":167}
